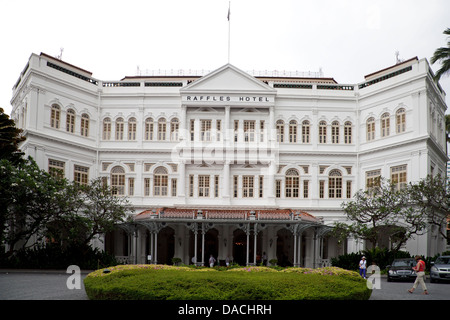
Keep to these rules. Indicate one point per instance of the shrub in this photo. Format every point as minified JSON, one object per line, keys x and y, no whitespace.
{"x":381,"y":257}
{"x":52,"y":256}
{"x":157,"y":282}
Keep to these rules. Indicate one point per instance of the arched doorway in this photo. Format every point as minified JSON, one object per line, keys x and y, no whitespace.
{"x":211,"y":245}
{"x":239,"y":247}
{"x":166,"y":245}
{"x":285,"y":248}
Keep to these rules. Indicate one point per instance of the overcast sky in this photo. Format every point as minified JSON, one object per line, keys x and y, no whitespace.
{"x":347,"y":39}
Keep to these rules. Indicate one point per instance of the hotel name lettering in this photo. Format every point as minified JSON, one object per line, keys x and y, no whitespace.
{"x":219,"y":98}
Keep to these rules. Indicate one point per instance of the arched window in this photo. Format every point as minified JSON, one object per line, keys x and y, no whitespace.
{"x":174,"y":127}
{"x":400,"y":117}
{"x":370,"y":129}
{"x":107,"y":129}
{"x":70,"y":121}
{"x":305,"y":131}
{"x":161,"y":182}
{"x":84,"y":125}
{"x":55,"y":116}
{"x":347,"y":132}
{"x":335,"y":184}
{"x":119,"y":128}
{"x":280,"y":131}
{"x":162,"y":129}
{"x":292,"y":131}
{"x":335,"y":132}
{"x":322,"y":132}
{"x":118,"y":181}
{"x":385,"y":124}
{"x":292,"y":185}
{"x":132,"y":129}
{"x":149,"y":129}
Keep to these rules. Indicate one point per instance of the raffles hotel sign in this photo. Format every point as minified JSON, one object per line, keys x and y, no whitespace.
{"x":224,"y":99}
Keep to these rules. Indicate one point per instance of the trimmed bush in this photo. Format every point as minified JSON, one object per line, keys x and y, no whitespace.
{"x":158,"y":282}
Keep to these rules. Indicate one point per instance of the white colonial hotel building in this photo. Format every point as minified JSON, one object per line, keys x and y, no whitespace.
{"x":231,"y":164}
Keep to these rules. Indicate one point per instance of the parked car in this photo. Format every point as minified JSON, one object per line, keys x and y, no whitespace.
{"x":401,"y":269}
{"x":440,"y":269}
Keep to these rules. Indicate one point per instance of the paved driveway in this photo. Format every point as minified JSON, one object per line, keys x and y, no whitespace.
{"x":38,"y":285}
{"x":52,"y":285}
{"x":397,"y":290}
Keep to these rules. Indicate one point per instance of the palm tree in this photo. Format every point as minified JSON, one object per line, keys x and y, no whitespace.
{"x":443,"y":56}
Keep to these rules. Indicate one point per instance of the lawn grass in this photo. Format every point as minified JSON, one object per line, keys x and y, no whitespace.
{"x":153,"y":282}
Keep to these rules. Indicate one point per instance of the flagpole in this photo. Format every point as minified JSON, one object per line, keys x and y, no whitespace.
{"x":229,"y":30}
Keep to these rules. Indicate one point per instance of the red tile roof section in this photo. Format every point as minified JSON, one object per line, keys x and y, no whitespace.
{"x":242,"y":214}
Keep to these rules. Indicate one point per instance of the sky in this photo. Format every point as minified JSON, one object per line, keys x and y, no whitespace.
{"x":346,"y":39}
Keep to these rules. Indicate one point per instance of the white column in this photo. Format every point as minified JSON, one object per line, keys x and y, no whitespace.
{"x":226,"y":180}
{"x":271,"y":125}
{"x":181,"y":179}
{"x":183,"y":132}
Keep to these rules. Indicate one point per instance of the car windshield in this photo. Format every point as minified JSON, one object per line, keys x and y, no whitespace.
{"x":402,"y":263}
{"x":442,"y":260}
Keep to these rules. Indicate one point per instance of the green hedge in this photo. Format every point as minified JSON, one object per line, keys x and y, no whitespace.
{"x":155,"y":282}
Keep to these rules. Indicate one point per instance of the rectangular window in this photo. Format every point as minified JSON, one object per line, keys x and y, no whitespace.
{"x":203,"y":186}
{"x":149,"y":129}
{"x":236,"y":130}
{"x":146,"y":186}
{"x":131,"y":186}
{"x":192,"y":129}
{"x":84,"y":125}
{"x":261,"y":186}
{"x":107,"y":130}
{"x":174,"y":187}
{"x":191,"y":185}
{"x":249,"y":131}
{"x":119,"y":130}
{"x":235,"y":186}
{"x":261,"y":131}
{"x":216,"y":186}
{"x":398,"y":176}
{"x":305,"y":189}
{"x":321,"y":189}
{"x":131,"y":131}
{"x":278,"y":188}
{"x":372,"y":180}
{"x":349,"y":189}
{"x":293,"y":132}
{"x":305,"y":132}
{"x":292,"y":187}
{"x":247,"y":186}
{"x":205,"y":130}
{"x":81,"y":175}
{"x":56,"y":168}
{"x":218,"y":130}
{"x":335,"y":187}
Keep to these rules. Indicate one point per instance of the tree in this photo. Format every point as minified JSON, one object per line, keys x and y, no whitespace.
{"x":443,"y":56}
{"x":28,"y":197}
{"x":431,"y":199}
{"x":10,"y":137}
{"x":96,"y":212}
{"x":381,"y":211}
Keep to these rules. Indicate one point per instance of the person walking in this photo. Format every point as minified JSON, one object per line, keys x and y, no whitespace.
{"x":363,"y":267}
{"x":212,"y":261}
{"x":420,"y":271}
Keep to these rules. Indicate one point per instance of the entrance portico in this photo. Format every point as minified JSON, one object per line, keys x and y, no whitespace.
{"x":244,"y":236}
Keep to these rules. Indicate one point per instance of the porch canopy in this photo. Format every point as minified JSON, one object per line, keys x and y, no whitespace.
{"x":251,"y":221}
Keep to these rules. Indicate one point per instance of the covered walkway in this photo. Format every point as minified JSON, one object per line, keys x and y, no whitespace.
{"x":243,"y":236}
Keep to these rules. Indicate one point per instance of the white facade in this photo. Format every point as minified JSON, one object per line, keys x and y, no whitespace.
{"x":232,"y":141}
